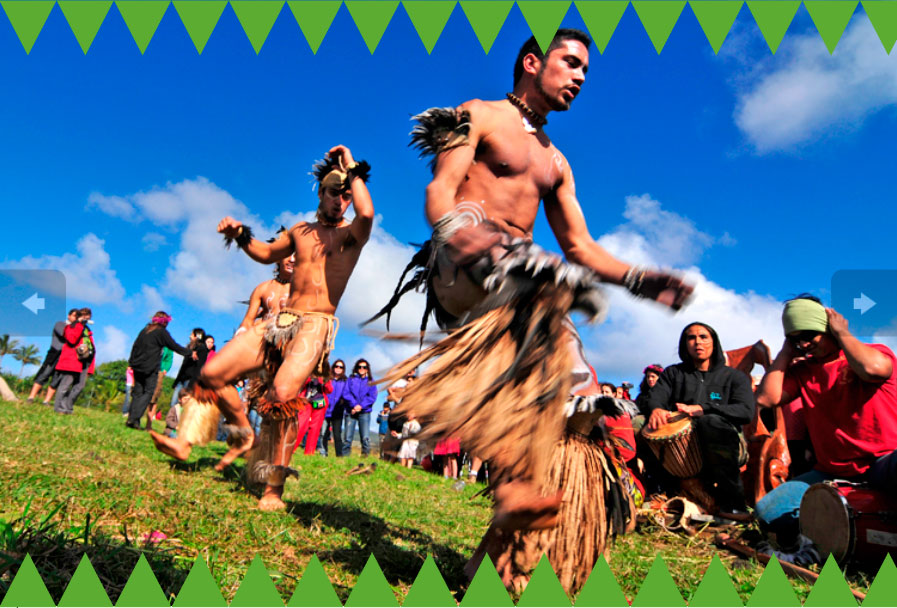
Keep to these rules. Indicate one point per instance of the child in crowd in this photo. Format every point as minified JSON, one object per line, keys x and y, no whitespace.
{"x":383,"y":421}
{"x":174,"y":416}
{"x":408,"y":451}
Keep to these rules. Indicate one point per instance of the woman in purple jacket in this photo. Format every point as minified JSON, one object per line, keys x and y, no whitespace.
{"x":360,"y":395}
{"x":333,"y":415}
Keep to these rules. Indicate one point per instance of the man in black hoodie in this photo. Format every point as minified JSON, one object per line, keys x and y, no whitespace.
{"x":719,"y":400}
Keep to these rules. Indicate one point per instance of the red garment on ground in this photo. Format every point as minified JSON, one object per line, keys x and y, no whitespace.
{"x":68,"y":358}
{"x":850,"y":422}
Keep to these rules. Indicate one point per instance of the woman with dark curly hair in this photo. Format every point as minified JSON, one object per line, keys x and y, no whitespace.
{"x":361,"y":395}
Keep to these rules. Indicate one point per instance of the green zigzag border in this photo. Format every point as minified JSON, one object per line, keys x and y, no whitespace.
{"x":429,"y":17}
{"x":429,"y":588}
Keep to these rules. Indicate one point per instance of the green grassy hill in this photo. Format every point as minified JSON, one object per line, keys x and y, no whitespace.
{"x":85,"y":482}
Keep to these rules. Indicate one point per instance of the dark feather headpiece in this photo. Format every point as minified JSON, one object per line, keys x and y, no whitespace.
{"x":327,"y":165}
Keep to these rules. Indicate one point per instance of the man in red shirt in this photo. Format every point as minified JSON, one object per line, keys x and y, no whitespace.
{"x":848,"y":390}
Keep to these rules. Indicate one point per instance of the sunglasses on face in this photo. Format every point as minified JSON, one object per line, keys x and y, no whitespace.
{"x":362,"y":367}
{"x":802,"y":336}
{"x":338,"y":367}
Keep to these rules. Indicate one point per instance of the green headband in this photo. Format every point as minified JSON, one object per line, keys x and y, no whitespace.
{"x":803,"y":314}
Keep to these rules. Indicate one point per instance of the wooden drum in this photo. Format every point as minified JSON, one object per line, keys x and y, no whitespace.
{"x":853,"y":522}
{"x":676,"y":446}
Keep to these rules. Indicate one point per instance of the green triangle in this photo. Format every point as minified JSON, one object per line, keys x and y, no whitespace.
{"x":486,"y":588}
{"x":601,"y":18}
{"x":27,"y":588}
{"x":85,"y":588}
{"x":716,"y":588}
{"x":142,"y":588}
{"x":429,"y":18}
{"x":27,"y":18}
{"x":883,"y":589}
{"x":200,"y":588}
{"x":544,"y":18}
{"x":658,"y":589}
{"x":314,"y":18}
{"x":486,"y":18}
{"x":830,"y":589}
{"x":602,"y":588}
{"x":85,"y":18}
{"x":200,"y":18}
{"x":716,"y":18}
{"x":257,"y":18}
{"x":773,"y":18}
{"x":142,"y":18}
{"x":883,"y":15}
{"x":831,"y":18}
{"x":773,"y":588}
{"x":314,"y":588}
{"x":371,"y":18}
{"x":371,"y":588}
{"x":543,"y":588}
{"x":658,"y":17}
{"x":257,"y":588}
{"x":429,"y":588}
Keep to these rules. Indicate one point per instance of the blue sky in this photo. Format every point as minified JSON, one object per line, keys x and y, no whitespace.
{"x":758,"y":175}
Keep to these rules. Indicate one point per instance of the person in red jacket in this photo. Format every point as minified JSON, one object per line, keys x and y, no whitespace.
{"x":76,"y":362}
{"x":311,"y":418}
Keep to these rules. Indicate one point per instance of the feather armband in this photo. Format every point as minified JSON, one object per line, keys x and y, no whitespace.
{"x":360,"y":169}
{"x":446,"y":226}
{"x":439,"y":130}
{"x":242,"y":239}
{"x":634,"y":279}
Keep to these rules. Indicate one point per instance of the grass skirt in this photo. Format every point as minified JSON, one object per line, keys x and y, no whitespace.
{"x":200,"y":417}
{"x":579,"y":468}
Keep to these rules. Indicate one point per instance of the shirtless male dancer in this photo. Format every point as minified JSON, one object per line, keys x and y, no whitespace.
{"x":229,"y":365}
{"x":300,"y":336}
{"x":493,"y":164}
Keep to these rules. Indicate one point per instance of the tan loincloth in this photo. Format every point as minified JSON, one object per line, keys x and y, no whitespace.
{"x":281,"y":330}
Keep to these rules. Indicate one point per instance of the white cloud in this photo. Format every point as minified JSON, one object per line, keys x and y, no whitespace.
{"x":201,"y":272}
{"x":372,"y":283}
{"x":206,"y":275}
{"x":89,"y":277}
{"x":152,"y":241}
{"x":113,"y":205}
{"x":805,"y":94}
{"x":152,"y":300}
{"x":638,"y":332}
{"x":655,"y":235}
{"x":113,"y":344}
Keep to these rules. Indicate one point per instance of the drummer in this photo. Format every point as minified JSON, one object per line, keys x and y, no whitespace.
{"x":848,"y":390}
{"x":719,"y":400}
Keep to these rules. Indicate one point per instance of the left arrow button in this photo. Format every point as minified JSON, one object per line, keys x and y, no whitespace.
{"x":34,"y":303}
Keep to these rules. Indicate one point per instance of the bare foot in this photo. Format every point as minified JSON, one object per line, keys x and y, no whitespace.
{"x":235,"y":452}
{"x":176,"y":448}
{"x":271,"y":501}
{"x":519,"y":505}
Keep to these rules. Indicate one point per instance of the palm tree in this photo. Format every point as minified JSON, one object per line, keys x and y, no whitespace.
{"x":28,"y":355}
{"x":7,"y":346}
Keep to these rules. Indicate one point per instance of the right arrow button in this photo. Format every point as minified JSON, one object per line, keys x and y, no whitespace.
{"x":863,"y":303}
